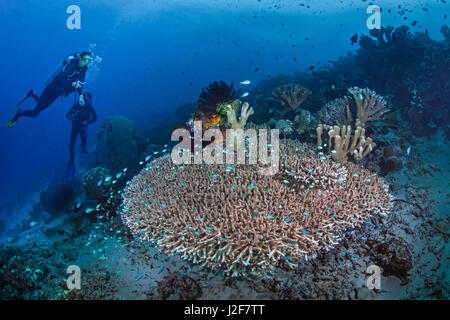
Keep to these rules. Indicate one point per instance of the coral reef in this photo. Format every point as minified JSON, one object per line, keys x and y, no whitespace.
{"x":98,"y":182}
{"x":304,"y":122}
{"x":344,"y":144}
{"x":176,"y":286}
{"x":251,"y":125}
{"x":246,"y":111}
{"x":231,"y":217}
{"x":385,"y":65}
{"x":286,"y":127}
{"x":117,"y":145}
{"x":369,"y":105}
{"x":291,"y":96}
{"x":58,"y":197}
{"x":389,"y":56}
{"x":394,"y":257}
{"x":23,"y":276}
{"x":215,"y":94}
{"x":336,"y":112}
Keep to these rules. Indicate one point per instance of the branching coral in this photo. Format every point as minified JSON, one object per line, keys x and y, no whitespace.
{"x":336,"y":112}
{"x":246,"y":111}
{"x":344,"y":144}
{"x":291,"y":96}
{"x":369,"y":105}
{"x":233,"y":218}
{"x":257,"y":126}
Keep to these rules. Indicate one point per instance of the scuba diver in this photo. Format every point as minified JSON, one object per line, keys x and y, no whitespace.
{"x":67,"y":79}
{"x":82,"y":114}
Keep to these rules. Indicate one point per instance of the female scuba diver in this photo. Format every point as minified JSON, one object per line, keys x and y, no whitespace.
{"x":69,"y":78}
{"x":82,"y":114}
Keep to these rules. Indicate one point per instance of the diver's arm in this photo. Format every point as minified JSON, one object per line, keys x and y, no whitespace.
{"x":66,"y":84}
{"x":63,"y":78}
{"x":81,"y":79}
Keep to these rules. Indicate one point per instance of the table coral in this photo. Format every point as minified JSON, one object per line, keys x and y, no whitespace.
{"x":233,"y":218}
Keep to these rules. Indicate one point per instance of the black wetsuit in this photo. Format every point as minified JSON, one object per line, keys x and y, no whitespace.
{"x":61,"y":85}
{"x":79,"y":114}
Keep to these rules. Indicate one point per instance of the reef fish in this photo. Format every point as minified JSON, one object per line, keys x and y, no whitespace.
{"x":246,"y":82}
{"x":245,"y":94}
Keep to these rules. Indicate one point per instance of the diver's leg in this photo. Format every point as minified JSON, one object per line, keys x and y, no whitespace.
{"x":71,"y":165}
{"x":50,"y":94}
{"x":73,"y":138}
{"x":83,"y":136}
{"x":33,"y":95}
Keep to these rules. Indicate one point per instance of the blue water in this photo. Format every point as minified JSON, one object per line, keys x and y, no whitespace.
{"x":155,"y":56}
{"x":145,"y":47}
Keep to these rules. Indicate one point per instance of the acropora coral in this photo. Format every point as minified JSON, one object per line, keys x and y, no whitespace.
{"x":369,"y":107}
{"x":233,"y":218}
{"x":336,"y":111}
{"x":291,"y":96}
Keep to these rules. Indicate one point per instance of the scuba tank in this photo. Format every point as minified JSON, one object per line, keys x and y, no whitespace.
{"x":67,"y":60}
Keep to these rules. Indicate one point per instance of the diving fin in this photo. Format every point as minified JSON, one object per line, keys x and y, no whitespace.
{"x":70,"y":171}
{"x":10,"y":123}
